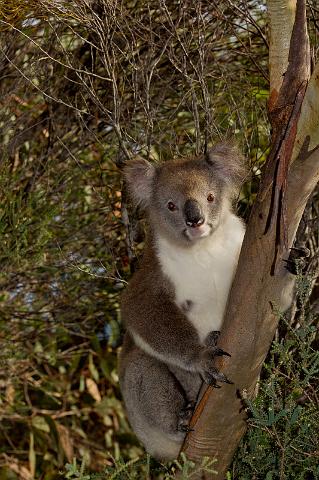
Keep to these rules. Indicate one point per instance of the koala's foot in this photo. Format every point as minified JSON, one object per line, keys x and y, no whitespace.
{"x":184,"y":417}
{"x":208,"y":372}
{"x":297,"y":259}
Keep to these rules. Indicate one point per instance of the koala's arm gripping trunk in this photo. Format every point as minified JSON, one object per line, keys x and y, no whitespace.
{"x":149,"y":317}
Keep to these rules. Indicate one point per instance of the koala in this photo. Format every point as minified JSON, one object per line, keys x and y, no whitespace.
{"x":174,"y":305}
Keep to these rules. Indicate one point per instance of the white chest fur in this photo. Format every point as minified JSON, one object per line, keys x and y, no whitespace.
{"x":203,"y":273}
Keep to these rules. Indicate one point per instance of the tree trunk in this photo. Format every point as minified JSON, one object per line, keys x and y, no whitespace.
{"x":261,"y":281}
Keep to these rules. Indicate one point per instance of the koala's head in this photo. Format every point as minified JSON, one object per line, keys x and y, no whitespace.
{"x":186,"y":199}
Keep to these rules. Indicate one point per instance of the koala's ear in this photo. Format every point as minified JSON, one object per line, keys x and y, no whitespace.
{"x":139,"y":175}
{"x":228,"y":164}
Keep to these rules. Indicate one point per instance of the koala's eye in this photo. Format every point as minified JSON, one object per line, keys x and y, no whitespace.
{"x":171,"y":206}
{"x":210,"y":197}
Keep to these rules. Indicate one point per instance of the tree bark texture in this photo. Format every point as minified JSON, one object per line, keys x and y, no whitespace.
{"x":281,"y":17}
{"x":261,"y":281}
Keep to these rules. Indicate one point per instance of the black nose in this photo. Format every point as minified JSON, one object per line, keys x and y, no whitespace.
{"x":193,"y":213}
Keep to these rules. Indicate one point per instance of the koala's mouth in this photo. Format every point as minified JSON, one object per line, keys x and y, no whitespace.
{"x":192,"y":234}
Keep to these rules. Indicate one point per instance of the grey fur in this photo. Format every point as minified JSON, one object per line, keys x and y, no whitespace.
{"x":163,"y":361}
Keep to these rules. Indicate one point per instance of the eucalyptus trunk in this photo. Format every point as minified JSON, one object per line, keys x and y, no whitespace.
{"x":290,"y":175}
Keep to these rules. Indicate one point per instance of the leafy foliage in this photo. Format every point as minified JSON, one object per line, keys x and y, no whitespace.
{"x":143,"y":467}
{"x":281,"y":442}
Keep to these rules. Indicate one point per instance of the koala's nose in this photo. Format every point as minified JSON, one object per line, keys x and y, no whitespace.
{"x":193,"y":213}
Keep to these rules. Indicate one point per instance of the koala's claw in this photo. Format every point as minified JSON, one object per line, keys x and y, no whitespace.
{"x":185,"y":428}
{"x":213,"y":384}
{"x":213,"y":377}
{"x":219,"y":352}
{"x":184,"y":417}
{"x":187,"y":411}
{"x":221,"y":377}
{"x":228,"y":381}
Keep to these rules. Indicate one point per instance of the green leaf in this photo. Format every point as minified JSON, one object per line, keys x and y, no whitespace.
{"x":40,"y":423}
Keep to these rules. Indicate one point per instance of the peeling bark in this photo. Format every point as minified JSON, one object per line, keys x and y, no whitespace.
{"x":261,"y":280}
{"x":281,"y":21}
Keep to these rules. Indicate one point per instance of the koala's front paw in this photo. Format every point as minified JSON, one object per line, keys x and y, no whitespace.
{"x":208,"y":372}
{"x":184,"y":418}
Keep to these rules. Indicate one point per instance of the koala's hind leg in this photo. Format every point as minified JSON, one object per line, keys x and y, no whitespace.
{"x":154,"y":401}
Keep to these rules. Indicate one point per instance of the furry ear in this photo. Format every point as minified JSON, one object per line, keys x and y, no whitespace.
{"x":229,"y":164}
{"x":139,"y":175}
